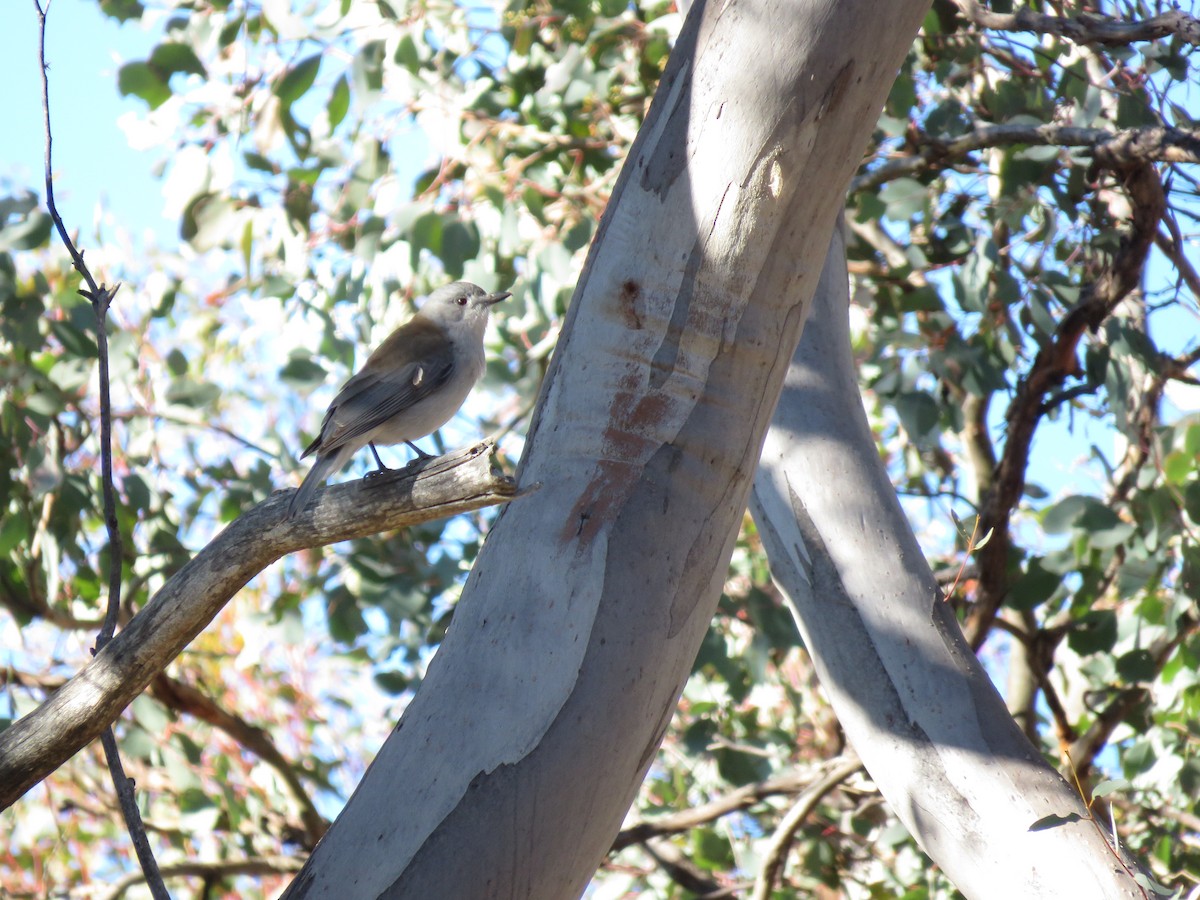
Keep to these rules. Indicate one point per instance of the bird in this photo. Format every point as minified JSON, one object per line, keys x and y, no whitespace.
{"x":410,"y":386}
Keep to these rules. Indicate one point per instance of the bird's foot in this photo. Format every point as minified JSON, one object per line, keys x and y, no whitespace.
{"x":422,"y":456}
{"x":382,"y":470}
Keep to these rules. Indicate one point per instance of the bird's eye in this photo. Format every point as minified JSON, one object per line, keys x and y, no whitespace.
{"x":461,"y":301}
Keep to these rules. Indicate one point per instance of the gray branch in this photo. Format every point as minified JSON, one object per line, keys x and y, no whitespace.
{"x":77,"y":713}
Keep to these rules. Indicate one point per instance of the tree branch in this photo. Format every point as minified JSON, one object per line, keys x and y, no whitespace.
{"x":211,"y":871}
{"x":187,"y":699}
{"x":1111,"y":149}
{"x":1054,"y":363}
{"x":682,"y":870}
{"x":742,"y":798}
{"x":1172,"y":248}
{"x":1085,"y":28}
{"x":40,"y":742}
{"x":781,"y":841}
{"x":1085,"y":748}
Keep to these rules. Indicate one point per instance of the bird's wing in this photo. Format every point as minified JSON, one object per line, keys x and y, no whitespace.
{"x":381,"y":389}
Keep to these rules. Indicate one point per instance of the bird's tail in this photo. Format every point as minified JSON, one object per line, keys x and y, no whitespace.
{"x":316,"y":477}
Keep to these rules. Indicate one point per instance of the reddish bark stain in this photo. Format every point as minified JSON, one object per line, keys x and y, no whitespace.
{"x":631,"y":294}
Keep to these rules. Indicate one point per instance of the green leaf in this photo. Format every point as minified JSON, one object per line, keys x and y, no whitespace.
{"x":260,"y":163}
{"x":1153,"y":886}
{"x":460,"y":243}
{"x":187,"y":392}
{"x":198,"y":814}
{"x":1035,"y":491}
{"x":339,"y":102}
{"x":904,"y":198}
{"x":392,"y":681}
{"x":948,"y":119}
{"x":1104,"y":788}
{"x":408,"y":54}
{"x":137,"y":492}
{"x":894,"y":835}
{"x":919,"y":413}
{"x":303,"y":370}
{"x":699,"y":736}
{"x":150,"y":714}
{"x":177,"y":363}
{"x":922,"y":299}
{"x":295,"y":84}
{"x":740,"y":768}
{"x":1061,"y":517}
{"x":170,"y":58}
{"x":1039,"y":153}
{"x":14,"y":530}
{"x":1035,"y":586}
{"x":209,"y":221}
{"x":1137,"y":667}
{"x":1191,"y":500}
{"x":122,"y":10}
{"x":711,"y":850}
{"x":75,"y":340}
{"x":230,"y":30}
{"x":1139,"y":758}
{"x":1104,"y":528}
{"x":141,"y":80}
{"x":346,"y":622}
{"x":1095,"y":632}
{"x":426,"y":233}
{"x":139,"y":743}
{"x":1178,"y":466}
{"x":26,"y":233}
{"x":368,"y":68}
{"x":975,"y":275}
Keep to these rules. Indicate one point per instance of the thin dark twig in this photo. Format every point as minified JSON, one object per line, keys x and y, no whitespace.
{"x":133,"y":817}
{"x":101,"y":298}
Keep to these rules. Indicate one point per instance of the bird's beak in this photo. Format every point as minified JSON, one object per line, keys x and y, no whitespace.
{"x":496,"y":297}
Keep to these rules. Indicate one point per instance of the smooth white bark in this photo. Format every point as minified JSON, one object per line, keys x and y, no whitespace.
{"x":912,"y":697}
{"x":512,"y":769}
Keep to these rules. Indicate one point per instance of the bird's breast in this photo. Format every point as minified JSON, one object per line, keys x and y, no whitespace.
{"x":430,"y":413}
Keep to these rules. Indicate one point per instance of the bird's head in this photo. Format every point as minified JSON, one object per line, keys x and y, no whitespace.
{"x":461,"y":303}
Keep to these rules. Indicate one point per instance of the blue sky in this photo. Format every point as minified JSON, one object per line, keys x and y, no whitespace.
{"x":92,"y":160}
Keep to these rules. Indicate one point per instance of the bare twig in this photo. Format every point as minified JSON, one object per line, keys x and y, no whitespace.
{"x":748,"y":795}
{"x":216,"y":870}
{"x":101,"y":298}
{"x":682,"y":870}
{"x":781,"y":840}
{"x":1172,"y":248}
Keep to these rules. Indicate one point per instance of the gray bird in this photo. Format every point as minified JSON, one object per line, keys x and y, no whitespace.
{"x":411,"y":386}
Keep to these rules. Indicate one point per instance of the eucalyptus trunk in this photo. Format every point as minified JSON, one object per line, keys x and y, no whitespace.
{"x":910,"y":694}
{"x":513,"y":767}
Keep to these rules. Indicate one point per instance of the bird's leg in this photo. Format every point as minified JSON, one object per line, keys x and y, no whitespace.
{"x":379,"y":462}
{"x":421,"y":454}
